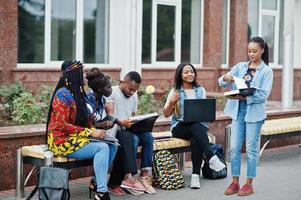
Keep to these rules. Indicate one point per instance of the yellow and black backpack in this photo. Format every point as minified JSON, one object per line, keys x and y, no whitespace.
{"x":166,"y":175}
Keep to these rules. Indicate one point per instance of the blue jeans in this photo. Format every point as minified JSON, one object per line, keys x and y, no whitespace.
{"x":243,"y":131}
{"x":145,"y":140}
{"x":103,"y":155}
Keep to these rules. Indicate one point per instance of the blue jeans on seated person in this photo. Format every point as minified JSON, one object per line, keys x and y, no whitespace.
{"x":244,"y":131}
{"x":103,"y":155}
{"x":146,"y":141}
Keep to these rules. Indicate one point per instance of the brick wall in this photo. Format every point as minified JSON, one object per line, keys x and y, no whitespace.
{"x":8,"y":38}
{"x":13,"y":138}
{"x":161,"y":78}
{"x":33,"y":79}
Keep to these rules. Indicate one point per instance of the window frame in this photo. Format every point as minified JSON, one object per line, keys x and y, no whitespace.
{"x":226,"y":65}
{"x":276,"y":14}
{"x":178,"y":24}
{"x":79,"y":52}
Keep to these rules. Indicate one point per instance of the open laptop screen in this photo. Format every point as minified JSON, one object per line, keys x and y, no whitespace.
{"x":199,"y":110}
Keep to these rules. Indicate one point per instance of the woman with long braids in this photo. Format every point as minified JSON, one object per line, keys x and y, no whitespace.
{"x":68,"y":126}
{"x":248,"y":111}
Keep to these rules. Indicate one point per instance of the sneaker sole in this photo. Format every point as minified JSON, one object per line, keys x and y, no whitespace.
{"x":245,"y":194}
{"x":117,"y":194}
{"x":230,"y":193}
{"x":133,"y":188}
{"x":149,"y":192}
{"x":136,"y":193}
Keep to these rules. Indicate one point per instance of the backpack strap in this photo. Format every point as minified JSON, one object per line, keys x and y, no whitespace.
{"x":32,"y":193}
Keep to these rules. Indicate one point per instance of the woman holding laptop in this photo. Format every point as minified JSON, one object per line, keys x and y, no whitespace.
{"x":186,"y":87}
{"x":247,"y":111}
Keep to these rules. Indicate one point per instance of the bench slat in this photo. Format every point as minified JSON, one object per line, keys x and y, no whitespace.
{"x":281,"y":126}
{"x":37,"y":151}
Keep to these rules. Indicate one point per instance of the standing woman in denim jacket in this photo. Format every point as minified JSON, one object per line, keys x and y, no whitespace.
{"x":186,"y":87}
{"x":248,"y":112}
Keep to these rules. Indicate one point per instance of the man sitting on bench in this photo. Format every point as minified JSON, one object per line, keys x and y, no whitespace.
{"x":123,"y":104}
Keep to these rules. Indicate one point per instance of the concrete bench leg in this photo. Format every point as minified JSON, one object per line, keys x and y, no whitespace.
{"x":19,"y":175}
{"x":181,"y":161}
{"x":227,"y":146}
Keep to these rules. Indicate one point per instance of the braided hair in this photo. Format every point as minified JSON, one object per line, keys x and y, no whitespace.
{"x":97,"y":81}
{"x":72,"y":79}
{"x":263,"y":45}
{"x":178,"y":81}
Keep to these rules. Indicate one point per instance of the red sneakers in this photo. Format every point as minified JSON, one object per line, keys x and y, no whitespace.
{"x":117,"y":191}
{"x":232,"y":189}
{"x":246,"y":190}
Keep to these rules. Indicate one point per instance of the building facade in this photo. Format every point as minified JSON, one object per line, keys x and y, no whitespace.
{"x":149,"y":36}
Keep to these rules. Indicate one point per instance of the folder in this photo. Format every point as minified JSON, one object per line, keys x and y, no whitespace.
{"x":144,"y":123}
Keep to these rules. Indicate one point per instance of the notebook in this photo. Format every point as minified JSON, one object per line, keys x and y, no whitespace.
{"x":199,"y":110}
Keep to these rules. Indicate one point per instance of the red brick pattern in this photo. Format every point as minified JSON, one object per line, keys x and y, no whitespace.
{"x":213,"y":15}
{"x":8,"y":38}
{"x":238,"y":30}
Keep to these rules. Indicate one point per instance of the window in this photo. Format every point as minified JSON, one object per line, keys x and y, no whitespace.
{"x":171,"y":32}
{"x":266,"y":25}
{"x":63,"y":29}
{"x":55,"y":30}
{"x":226,"y":33}
{"x":31,"y":22}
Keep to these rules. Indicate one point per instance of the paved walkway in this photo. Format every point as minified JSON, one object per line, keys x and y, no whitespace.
{"x":279,"y":177}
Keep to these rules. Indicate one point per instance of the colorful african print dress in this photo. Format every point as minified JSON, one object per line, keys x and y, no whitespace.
{"x":64,"y":137}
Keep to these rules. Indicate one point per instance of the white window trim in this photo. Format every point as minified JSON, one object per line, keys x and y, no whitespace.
{"x":79,"y":42}
{"x":226,"y":65}
{"x":168,"y":65}
{"x":276,"y":14}
{"x":177,"y":49}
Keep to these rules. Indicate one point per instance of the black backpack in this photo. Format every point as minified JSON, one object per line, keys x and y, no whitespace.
{"x":209,"y":173}
{"x":53,"y":184}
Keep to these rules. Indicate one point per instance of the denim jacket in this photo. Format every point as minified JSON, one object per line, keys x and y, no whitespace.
{"x":200,"y":93}
{"x":256,"y":103}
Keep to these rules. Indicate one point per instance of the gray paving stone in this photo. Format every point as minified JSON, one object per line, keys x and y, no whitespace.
{"x":279,"y":177}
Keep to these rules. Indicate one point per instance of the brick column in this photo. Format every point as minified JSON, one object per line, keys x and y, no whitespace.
{"x":213,"y":24}
{"x":8,"y":38}
{"x":213,"y":35}
{"x":238,"y":31}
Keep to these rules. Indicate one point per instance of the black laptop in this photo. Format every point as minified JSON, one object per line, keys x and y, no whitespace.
{"x":199,"y":110}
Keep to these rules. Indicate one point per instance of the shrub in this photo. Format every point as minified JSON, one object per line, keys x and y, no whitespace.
{"x":26,"y":110}
{"x":8,"y":94}
{"x":147,"y":103}
{"x":45,"y":97}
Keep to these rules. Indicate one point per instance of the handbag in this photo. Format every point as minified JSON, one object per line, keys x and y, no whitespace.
{"x":53,"y":184}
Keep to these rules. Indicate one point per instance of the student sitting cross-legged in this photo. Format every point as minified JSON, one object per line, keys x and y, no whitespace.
{"x":123,"y":104}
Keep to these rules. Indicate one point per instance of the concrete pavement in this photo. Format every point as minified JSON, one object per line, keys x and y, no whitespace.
{"x":279,"y":177}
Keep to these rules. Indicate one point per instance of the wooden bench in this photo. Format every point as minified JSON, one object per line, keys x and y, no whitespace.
{"x":279,"y":128}
{"x":271,"y":129}
{"x":34,"y":155}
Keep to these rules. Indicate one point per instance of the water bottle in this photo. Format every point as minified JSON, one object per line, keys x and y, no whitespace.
{"x":48,"y":159}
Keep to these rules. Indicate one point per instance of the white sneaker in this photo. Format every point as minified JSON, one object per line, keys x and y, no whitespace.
{"x":216,"y":164}
{"x":147,"y":185}
{"x":195,"y":181}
